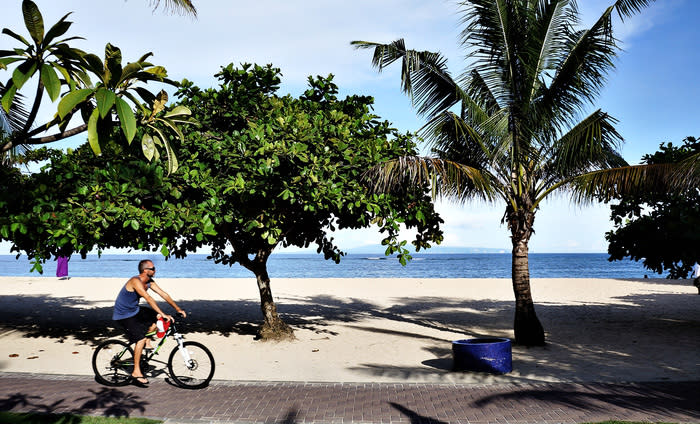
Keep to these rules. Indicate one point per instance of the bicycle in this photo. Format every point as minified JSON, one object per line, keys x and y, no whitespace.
{"x":190,"y":364}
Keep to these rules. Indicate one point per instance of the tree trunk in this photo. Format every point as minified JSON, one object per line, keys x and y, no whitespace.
{"x":527,"y":327}
{"x":273,"y":327}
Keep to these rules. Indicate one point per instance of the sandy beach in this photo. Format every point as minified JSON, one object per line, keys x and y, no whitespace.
{"x":374,"y":330}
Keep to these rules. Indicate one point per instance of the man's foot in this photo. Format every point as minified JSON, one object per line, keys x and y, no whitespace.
{"x":139,"y":381}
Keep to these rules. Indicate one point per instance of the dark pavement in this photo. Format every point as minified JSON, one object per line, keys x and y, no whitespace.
{"x":293,"y":402}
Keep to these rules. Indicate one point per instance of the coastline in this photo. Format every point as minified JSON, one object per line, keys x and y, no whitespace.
{"x":375,"y":330}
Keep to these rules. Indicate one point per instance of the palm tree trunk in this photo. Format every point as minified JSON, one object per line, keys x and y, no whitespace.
{"x":273,"y":327}
{"x":527,"y":327}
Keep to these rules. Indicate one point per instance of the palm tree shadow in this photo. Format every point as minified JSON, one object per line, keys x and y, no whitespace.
{"x":414,"y":417}
{"x":648,"y":399}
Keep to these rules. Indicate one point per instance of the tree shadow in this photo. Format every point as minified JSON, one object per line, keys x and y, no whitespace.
{"x":108,"y":402}
{"x":636,"y":335}
{"x":657,"y":399}
{"x":413,"y":416}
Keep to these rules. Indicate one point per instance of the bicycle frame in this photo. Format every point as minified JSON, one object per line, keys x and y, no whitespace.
{"x":179,"y":338}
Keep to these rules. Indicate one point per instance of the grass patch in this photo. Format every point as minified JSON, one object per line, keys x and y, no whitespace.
{"x":29,"y":418}
{"x":625,"y":422}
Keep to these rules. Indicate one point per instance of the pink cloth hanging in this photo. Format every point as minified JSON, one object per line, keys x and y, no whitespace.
{"x":62,"y":266}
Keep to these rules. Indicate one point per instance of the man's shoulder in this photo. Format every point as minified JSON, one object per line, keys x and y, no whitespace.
{"x":133,"y":280}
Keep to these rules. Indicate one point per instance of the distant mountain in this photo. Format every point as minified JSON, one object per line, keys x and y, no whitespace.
{"x":373,"y":249}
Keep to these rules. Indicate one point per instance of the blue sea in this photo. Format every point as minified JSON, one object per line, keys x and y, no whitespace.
{"x":355,"y":265}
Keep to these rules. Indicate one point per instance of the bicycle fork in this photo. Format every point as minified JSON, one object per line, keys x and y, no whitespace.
{"x":183,"y":351}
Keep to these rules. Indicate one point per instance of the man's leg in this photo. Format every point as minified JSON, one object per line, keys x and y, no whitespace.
{"x":138,"y":350}
{"x":148,"y":344}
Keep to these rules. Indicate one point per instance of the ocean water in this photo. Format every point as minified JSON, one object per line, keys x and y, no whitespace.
{"x":280,"y":265}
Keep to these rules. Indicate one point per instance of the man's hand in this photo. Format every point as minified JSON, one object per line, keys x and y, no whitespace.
{"x":182,"y":312}
{"x":166,"y":316}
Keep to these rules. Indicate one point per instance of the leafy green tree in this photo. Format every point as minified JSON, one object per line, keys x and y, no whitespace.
{"x":262,"y":171}
{"x":101,"y":106}
{"x":510,"y":128}
{"x":659,"y":227}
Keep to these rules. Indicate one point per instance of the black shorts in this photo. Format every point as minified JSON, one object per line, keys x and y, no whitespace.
{"x":136,"y":327}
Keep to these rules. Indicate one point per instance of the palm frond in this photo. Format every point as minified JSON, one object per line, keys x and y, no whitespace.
{"x":592,"y":144}
{"x":11,"y":122}
{"x":548,"y":36}
{"x":446,"y":178}
{"x":581,"y":71}
{"x":182,"y":6}
{"x":687,"y":175}
{"x":627,"y":8}
{"x":608,"y":184}
{"x":489,"y":36}
{"x":424,"y":75}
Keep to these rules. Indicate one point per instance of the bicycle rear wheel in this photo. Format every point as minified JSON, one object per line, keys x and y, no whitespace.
{"x":113,"y":363}
{"x":195,"y":373}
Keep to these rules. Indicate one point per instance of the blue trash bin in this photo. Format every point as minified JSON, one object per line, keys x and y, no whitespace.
{"x":489,"y":354}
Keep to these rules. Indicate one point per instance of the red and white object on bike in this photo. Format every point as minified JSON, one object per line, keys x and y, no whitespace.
{"x":162,"y":326}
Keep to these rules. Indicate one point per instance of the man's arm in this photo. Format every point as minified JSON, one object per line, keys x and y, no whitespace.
{"x":138,"y":288}
{"x":162,"y":293}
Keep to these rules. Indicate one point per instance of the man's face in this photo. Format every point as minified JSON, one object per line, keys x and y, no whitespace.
{"x":150,"y":269}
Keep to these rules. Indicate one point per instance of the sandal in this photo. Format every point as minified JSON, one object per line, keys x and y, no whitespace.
{"x":139,"y":381}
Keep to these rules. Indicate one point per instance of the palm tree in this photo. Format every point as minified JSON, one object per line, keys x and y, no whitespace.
{"x":512,"y":126}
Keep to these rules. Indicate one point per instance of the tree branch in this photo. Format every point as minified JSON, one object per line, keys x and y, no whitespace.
{"x":57,"y":136}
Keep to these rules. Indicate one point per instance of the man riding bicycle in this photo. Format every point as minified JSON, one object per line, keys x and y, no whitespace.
{"x":138,"y":321}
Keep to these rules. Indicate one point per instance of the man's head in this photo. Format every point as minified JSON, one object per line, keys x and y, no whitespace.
{"x":146,"y":265}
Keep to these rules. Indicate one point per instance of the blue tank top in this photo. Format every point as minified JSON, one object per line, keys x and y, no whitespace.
{"x":127,"y":303}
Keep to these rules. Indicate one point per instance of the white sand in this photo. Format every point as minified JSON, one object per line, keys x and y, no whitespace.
{"x":374,"y":330}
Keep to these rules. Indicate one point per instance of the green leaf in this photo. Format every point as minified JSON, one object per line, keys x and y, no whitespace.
{"x":178,"y":111}
{"x":148,"y":146}
{"x":130,"y":69}
{"x":135,"y":224}
{"x":71,"y":100}
{"x":105,"y":100}
{"x":113,"y":60}
{"x":50,"y":81}
{"x":16,"y":37}
{"x":8,"y":97}
{"x":22,"y":73}
{"x":92,"y":132}
{"x":33,"y":21}
{"x":127,"y":119}
{"x":94,"y":64}
{"x":58,"y":29}
{"x":157,"y":71}
{"x":165,"y":251}
{"x":7,"y":60}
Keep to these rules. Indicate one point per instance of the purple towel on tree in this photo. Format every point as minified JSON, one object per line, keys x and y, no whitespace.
{"x":62,"y":266}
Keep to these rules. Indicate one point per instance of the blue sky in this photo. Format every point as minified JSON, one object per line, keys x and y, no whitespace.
{"x":654,"y":92}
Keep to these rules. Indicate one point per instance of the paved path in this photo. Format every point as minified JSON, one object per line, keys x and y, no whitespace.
{"x":411,"y":403}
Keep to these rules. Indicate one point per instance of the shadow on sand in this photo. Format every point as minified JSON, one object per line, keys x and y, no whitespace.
{"x":640,"y":330}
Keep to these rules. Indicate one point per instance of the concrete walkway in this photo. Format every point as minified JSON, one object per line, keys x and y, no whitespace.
{"x":292,"y":402}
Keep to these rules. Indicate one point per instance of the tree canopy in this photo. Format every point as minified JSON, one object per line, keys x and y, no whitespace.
{"x":262,"y":171}
{"x":659,"y":228}
{"x":514,"y":127}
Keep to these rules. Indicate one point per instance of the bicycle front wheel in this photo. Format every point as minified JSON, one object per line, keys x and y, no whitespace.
{"x":192,"y":369}
{"x":113,"y":363}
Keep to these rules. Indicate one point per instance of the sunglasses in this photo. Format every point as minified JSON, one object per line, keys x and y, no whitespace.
{"x":152,"y":268}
